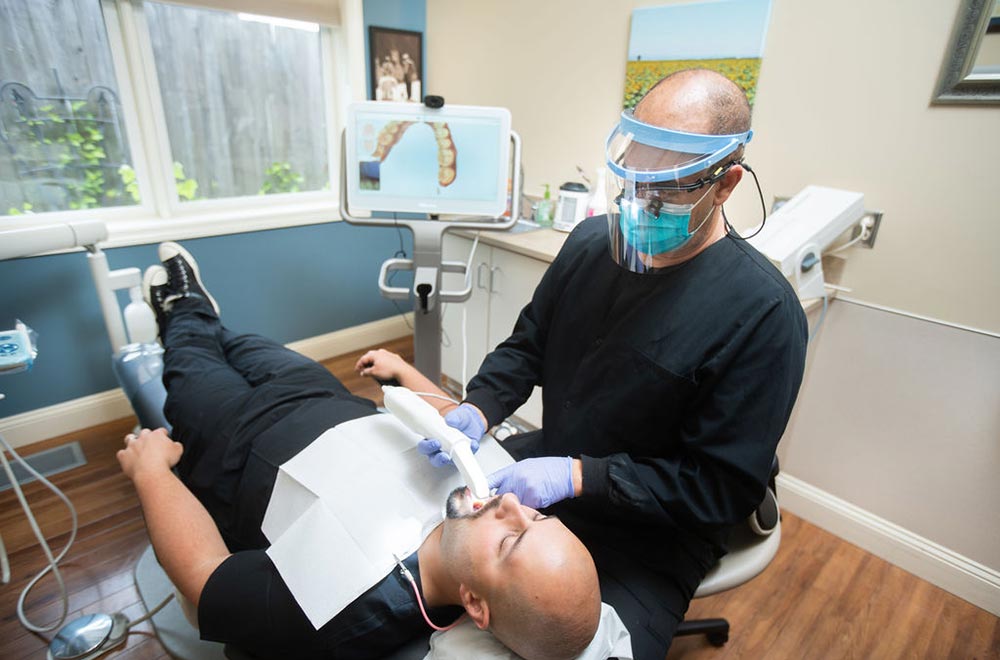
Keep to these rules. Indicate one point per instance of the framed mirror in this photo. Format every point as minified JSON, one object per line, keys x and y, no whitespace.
{"x":971,"y":69}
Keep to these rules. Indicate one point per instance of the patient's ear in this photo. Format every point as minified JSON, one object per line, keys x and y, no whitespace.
{"x":475,"y":606}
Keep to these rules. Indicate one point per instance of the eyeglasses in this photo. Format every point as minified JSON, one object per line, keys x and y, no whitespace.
{"x":667,"y":190}
{"x":654,"y":196}
{"x":652,"y":205}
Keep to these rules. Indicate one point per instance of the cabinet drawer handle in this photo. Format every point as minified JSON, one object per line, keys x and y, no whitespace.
{"x":493,"y":271}
{"x":479,"y":276}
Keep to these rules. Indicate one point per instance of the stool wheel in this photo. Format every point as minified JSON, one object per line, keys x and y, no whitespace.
{"x":718,"y":639}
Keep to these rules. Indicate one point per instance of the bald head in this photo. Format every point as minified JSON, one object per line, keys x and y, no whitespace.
{"x":522,"y":574}
{"x":696,"y":101}
{"x":553,"y":610}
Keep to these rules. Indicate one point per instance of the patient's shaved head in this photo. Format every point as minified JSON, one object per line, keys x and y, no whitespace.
{"x":554,"y":609}
{"x":523,"y":575}
{"x":696,"y":101}
{"x":552,"y":615}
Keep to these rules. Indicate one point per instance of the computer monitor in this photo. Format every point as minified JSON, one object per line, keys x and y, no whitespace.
{"x":406,"y":157}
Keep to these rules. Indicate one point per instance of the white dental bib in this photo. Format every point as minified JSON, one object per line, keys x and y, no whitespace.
{"x":344,"y":505}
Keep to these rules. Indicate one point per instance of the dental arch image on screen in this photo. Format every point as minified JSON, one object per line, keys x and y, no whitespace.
{"x":408,"y":158}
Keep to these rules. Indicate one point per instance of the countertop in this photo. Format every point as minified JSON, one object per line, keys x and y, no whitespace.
{"x":544,"y":244}
{"x":526,"y":239}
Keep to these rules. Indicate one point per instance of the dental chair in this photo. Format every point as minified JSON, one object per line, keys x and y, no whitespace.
{"x":751,"y":549}
{"x":176,"y":628}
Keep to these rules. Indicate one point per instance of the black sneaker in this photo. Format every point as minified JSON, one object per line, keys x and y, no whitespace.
{"x":182,"y":275}
{"x":155,"y":290}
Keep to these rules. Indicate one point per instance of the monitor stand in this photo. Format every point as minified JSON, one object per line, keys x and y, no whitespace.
{"x":427,"y":265}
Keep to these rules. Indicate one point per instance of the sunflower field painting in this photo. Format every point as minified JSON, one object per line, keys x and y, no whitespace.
{"x":722,"y":35}
{"x":643,"y":74}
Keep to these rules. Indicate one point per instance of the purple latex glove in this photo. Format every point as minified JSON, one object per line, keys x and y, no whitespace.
{"x":466,"y":419}
{"x":537,"y":482}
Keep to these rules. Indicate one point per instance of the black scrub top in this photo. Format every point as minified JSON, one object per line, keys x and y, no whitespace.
{"x":246,"y":603}
{"x":673,"y":387}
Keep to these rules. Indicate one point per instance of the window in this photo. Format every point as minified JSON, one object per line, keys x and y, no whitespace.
{"x":243,"y":101}
{"x":170,"y":118}
{"x":63,"y":143}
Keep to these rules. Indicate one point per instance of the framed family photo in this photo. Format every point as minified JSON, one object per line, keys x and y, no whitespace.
{"x":397,"y":67}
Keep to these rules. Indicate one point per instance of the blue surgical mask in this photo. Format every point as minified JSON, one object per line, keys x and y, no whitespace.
{"x":656,"y":233}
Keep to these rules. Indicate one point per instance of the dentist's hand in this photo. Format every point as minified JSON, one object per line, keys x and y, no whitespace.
{"x":537,"y":482}
{"x":467,"y":419}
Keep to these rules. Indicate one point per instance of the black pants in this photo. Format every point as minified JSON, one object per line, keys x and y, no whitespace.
{"x":241,"y":405}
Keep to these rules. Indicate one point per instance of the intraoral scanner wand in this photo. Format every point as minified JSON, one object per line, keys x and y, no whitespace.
{"x":423,"y":418}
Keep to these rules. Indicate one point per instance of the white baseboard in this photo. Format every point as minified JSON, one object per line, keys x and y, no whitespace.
{"x":51,"y":421}
{"x":70,"y":416}
{"x":324,"y":347}
{"x":956,"y":574}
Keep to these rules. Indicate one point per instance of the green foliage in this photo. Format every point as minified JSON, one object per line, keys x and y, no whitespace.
{"x":280,"y":178}
{"x":186,"y":188}
{"x":26,"y":208}
{"x":72,"y":149}
{"x":129,"y":182}
{"x":72,"y":152}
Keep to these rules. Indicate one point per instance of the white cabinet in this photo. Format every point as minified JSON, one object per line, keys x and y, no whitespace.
{"x":502,"y":284}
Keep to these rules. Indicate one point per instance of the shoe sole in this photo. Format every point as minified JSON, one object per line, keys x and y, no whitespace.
{"x":197,"y":274}
{"x":147,"y":283}
{"x":147,"y":288}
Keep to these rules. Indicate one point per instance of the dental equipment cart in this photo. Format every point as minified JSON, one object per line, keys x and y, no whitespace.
{"x":431,"y":160}
{"x":137,"y":361}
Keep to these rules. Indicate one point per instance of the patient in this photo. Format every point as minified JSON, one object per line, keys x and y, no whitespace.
{"x":240,"y":406}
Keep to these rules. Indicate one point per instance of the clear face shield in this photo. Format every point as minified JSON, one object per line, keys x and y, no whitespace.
{"x":656,"y":177}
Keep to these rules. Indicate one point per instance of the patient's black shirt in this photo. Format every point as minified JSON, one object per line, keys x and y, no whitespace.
{"x":247,"y":604}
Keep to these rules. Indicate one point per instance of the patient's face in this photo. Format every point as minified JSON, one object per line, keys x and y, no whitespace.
{"x":522,"y":574}
{"x":505,"y":541}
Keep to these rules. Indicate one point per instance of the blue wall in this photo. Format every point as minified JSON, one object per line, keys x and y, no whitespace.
{"x":287,"y":284}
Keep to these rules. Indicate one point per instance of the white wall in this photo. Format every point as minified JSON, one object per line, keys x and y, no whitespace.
{"x":903,"y":415}
{"x":843,"y":100}
{"x":989,"y":51}
{"x":559,"y":65}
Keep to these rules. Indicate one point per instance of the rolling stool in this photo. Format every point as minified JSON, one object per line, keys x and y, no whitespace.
{"x":751,"y":549}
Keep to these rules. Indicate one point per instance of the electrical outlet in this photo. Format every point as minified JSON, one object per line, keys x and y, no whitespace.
{"x":870,"y":222}
{"x":778,"y":203}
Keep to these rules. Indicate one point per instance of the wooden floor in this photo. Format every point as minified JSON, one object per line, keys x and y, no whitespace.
{"x":820,"y":598}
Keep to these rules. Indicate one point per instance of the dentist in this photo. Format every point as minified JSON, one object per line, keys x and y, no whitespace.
{"x":670,"y":353}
